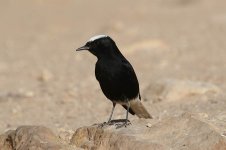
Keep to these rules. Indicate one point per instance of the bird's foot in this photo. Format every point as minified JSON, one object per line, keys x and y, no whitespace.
{"x":118,"y":123}
{"x":124,"y":124}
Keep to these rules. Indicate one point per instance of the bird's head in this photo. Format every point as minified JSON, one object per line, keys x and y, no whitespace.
{"x":100,"y":45}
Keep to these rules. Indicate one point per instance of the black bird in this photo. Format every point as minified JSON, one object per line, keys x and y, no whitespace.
{"x":116,"y":76}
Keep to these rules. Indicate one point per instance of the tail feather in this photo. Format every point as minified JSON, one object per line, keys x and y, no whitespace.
{"x":139,"y":109}
{"x":130,"y":110}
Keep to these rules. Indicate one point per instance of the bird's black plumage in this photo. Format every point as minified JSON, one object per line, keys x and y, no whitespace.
{"x":115,"y":74}
{"x":117,"y":78}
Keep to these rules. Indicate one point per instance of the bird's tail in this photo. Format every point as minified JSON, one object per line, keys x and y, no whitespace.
{"x":139,"y":109}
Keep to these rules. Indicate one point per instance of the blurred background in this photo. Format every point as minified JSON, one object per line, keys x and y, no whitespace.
{"x":177,"y":48}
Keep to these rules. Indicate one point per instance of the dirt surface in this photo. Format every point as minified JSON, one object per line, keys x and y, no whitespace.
{"x":44,"y":81}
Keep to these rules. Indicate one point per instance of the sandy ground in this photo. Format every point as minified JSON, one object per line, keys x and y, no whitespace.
{"x":44,"y":81}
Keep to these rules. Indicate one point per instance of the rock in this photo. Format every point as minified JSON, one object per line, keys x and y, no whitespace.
{"x":110,"y":138}
{"x":181,"y":132}
{"x":19,"y":94}
{"x":65,"y":135}
{"x":173,"y":90}
{"x":45,"y":76}
{"x":185,"y":131}
{"x":32,"y":138}
{"x":24,"y":93}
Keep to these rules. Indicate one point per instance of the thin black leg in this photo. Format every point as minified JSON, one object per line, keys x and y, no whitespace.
{"x":127,"y":112}
{"x":112,"y":112}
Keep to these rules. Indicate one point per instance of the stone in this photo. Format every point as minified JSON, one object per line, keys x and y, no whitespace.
{"x":174,"y":90}
{"x":185,"y":131}
{"x":45,"y":76}
{"x":94,"y":137}
{"x":30,"y":137}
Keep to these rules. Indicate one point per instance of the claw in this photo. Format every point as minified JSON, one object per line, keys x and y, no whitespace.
{"x":118,"y":123}
{"x":101,"y":125}
{"x":125,"y":124}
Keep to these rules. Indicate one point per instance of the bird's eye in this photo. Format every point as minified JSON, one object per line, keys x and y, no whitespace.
{"x":88,"y":43}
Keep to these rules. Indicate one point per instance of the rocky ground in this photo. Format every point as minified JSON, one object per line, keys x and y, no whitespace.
{"x":50,"y":99}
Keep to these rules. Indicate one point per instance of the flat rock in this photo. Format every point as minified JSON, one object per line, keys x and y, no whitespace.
{"x":182,"y":132}
{"x":174,"y":90}
{"x":185,"y":131}
{"x":94,"y":137}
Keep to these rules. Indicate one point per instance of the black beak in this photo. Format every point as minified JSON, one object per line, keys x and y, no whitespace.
{"x":82,"y":48}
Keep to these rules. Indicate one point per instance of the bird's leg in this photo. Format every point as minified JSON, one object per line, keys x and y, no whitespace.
{"x":126,"y":121}
{"x":127,"y":112}
{"x":109,"y":120}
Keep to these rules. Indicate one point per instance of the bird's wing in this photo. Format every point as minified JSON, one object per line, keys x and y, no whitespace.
{"x":117,"y":79}
{"x":129,"y":78}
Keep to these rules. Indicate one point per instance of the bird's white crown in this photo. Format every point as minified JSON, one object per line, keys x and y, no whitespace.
{"x":97,"y":37}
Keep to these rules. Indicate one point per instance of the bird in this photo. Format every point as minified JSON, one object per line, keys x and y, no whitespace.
{"x":116,"y":76}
